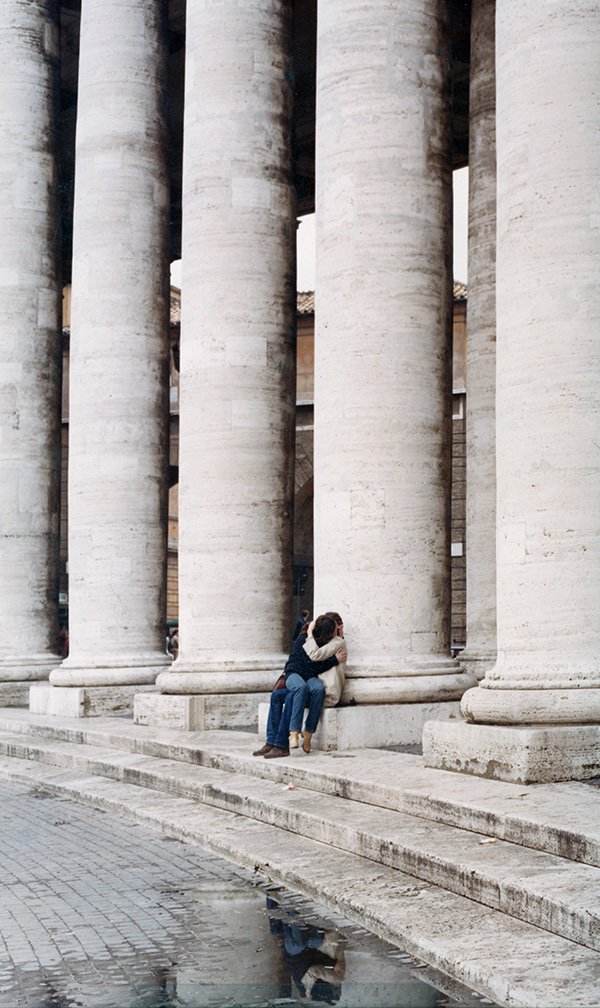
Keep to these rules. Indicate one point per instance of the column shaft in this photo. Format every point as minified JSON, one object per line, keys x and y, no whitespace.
{"x":382,"y":367}
{"x":29,"y":328}
{"x":237,"y":358}
{"x":548,"y":363}
{"x":481,"y":346}
{"x":119,"y":351}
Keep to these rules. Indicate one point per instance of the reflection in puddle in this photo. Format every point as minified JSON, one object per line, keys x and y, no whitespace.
{"x":241,"y":944}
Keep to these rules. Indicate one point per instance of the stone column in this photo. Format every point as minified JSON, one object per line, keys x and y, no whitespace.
{"x":237,"y":363}
{"x":382,"y":363}
{"x":480,"y":652}
{"x":119,"y":357}
{"x":30,"y":339}
{"x":537,"y":712}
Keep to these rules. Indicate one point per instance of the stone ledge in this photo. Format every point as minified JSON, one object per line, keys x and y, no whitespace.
{"x":520,"y":754}
{"x":14,"y":694}
{"x":83,"y":701}
{"x":371,"y":724}
{"x":197,"y":713}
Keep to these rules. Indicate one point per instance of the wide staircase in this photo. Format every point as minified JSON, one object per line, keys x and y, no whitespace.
{"x":494,"y":883}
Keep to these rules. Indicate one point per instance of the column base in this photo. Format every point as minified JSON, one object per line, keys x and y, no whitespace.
{"x":418,"y":688}
{"x":522,"y":755}
{"x":109,"y":675}
{"x":83,"y":701}
{"x":372,"y":725}
{"x":32,"y":669}
{"x":477,"y":662}
{"x":198,"y":713}
{"x":236,"y":676}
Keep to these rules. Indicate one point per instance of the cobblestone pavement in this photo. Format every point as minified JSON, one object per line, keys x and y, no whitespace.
{"x":97,"y":912}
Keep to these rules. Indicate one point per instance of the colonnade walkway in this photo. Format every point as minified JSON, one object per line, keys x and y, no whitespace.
{"x":497,"y":884}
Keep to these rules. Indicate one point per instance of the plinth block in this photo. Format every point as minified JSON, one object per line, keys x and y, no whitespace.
{"x":198,"y":712}
{"x":371,"y":725}
{"x":83,"y":701}
{"x":14,"y":694}
{"x":536,"y":754}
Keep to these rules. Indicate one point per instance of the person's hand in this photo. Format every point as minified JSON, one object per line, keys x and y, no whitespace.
{"x":311,"y":626}
{"x":342,"y":655}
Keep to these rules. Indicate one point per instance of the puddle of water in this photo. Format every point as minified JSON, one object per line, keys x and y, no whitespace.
{"x":243,"y":944}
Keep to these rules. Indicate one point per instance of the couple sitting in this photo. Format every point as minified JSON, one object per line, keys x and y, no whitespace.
{"x":319,"y":648}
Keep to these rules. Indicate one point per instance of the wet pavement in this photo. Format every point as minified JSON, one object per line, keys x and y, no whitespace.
{"x":99,"y":913}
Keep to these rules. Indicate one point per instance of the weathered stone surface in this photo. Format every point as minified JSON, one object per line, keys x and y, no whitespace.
{"x":526,"y":755}
{"x":382,"y":395}
{"x":480,"y":652}
{"x":14,"y":694}
{"x":237,"y":358}
{"x":197,"y":713}
{"x":30,"y":340}
{"x":372,"y":724}
{"x":84,"y":701}
{"x":119,"y":348}
{"x":501,"y":957}
{"x":556,"y":894}
{"x":547,"y":436}
{"x":560,"y":818}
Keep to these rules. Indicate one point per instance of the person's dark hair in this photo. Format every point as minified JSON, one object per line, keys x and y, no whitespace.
{"x":304,"y":614}
{"x":335,"y":616}
{"x":324,"y":629}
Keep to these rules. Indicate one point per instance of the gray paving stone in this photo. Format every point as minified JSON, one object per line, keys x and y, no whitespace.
{"x":100,"y":913}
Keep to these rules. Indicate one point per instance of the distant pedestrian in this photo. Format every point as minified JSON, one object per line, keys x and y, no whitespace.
{"x":63,"y":638}
{"x":302,"y":619}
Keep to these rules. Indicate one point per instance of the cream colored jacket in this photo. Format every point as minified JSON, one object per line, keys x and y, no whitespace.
{"x":334,"y":678}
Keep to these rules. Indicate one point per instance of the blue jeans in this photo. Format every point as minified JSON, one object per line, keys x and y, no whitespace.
{"x":278,"y":698}
{"x":302,"y":694}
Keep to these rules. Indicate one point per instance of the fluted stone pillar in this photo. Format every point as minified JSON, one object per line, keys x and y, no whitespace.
{"x":30,"y":339}
{"x":237,"y":364}
{"x":382,"y":371}
{"x":480,"y":652}
{"x":119,"y":354}
{"x":537,"y":712}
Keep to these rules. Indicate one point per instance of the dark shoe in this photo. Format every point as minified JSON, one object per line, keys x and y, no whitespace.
{"x":265,"y":749}
{"x":276,"y":753}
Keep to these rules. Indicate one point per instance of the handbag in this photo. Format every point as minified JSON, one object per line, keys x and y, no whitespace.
{"x":280,"y":684}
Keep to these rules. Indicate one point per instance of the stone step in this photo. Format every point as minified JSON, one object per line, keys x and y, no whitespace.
{"x":507,"y":960}
{"x":553,"y":893}
{"x":561,"y":819}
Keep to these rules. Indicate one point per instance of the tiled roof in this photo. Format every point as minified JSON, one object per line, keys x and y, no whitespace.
{"x":305,"y":302}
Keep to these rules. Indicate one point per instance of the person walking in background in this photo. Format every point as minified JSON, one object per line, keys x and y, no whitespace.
{"x":300,"y":622}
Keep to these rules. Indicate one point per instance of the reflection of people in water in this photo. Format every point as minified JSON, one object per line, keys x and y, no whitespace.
{"x":314,"y":957}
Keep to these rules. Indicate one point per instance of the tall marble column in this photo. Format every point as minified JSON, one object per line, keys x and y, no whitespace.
{"x":537,"y":712}
{"x":480,"y":652}
{"x":237,"y":360}
{"x":382,"y":366}
{"x":119,"y":355}
{"x":30,"y":339}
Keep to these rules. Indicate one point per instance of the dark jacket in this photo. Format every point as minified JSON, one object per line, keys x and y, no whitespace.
{"x":300,"y":663}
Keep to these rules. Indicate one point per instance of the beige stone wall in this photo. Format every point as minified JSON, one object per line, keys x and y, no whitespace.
{"x":305,"y":358}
